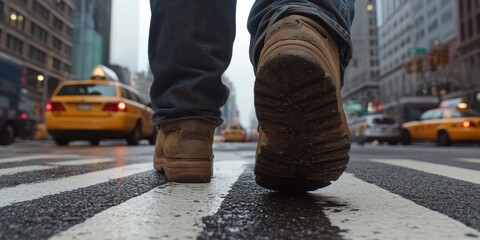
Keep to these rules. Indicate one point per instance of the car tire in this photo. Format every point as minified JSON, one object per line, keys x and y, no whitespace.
{"x":133,"y":138}
{"x":61,"y":141}
{"x":95,"y":142}
{"x":406,"y":138}
{"x":443,"y":139}
{"x":7,"y":135}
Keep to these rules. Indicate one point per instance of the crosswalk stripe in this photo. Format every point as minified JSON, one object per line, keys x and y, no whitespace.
{"x":82,"y":162}
{"x":27,"y":192}
{"x":15,"y":170}
{"x":370,"y":212}
{"x":173,"y":211}
{"x":439,"y":169}
{"x":470,"y":160}
{"x":37,"y":157}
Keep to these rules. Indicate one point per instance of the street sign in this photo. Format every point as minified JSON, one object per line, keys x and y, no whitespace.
{"x":417,"y":51}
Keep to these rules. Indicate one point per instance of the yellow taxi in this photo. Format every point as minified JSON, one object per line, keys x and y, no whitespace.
{"x":98,"y":109}
{"x":233,"y":134}
{"x":444,"y":125}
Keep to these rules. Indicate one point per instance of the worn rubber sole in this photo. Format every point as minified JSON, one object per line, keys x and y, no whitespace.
{"x":185,"y":170}
{"x":297,"y":107}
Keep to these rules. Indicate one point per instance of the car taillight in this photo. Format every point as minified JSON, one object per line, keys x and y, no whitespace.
{"x":54,"y":106}
{"x":467,"y":124}
{"x":115,"y":107}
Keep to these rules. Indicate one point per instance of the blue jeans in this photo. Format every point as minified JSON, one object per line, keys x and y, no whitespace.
{"x":190,"y":47}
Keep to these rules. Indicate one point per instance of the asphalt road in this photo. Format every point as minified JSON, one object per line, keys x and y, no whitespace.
{"x":112,"y":192}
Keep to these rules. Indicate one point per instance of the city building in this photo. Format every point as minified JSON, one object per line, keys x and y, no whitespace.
{"x":39,"y":33}
{"x":230,"y":113}
{"x":92,"y":21}
{"x":361,"y":76}
{"x":469,"y":50}
{"x":411,"y":31}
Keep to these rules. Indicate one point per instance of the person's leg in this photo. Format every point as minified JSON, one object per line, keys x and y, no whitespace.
{"x":299,"y":51}
{"x":190,"y":47}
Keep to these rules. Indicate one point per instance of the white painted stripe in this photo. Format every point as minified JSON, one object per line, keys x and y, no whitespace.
{"x":26,"y":192}
{"x":37,"y":157}
{"x":82,"y":162}
{"x":15,"y":170}
{"x":439,"y":169}
{"x":172,"y":211}
{"x":370,"y":212}
{"x":470,"y":160}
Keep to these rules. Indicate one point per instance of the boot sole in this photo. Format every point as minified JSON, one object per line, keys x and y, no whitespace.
{"x":186,"y":170}
{"x":297,"y":108}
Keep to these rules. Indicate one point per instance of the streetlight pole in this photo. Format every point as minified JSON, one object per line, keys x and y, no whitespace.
{"x":44,"y":80}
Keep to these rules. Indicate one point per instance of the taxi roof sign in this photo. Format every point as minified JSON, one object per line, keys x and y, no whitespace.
{"x":100,"y":72}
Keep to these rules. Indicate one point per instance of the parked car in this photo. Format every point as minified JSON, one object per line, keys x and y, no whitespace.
{"x":17,"y":116}
{"x":94,"y":110}
{"x":444,"y":126}
{"x":377,"y":127}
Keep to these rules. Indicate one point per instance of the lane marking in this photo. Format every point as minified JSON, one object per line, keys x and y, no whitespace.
{"x":26,"y":192}
{"x":37,"y":157}
{"x":439,"y":169}
{"x":367,"y":211}
{"x":82,"y":161}
{"x":15,"y":170}
{"x":172,"y":211}
{"x":470,"y":160}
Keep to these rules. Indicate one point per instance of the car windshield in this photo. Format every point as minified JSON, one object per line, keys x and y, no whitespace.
{"x":383,"y":121}
{"x":465,"y":113}
{"x":87,"y":90}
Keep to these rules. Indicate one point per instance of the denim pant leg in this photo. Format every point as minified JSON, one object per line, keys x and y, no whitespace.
{"x":335,"y":15}
{"x":190,"y":47}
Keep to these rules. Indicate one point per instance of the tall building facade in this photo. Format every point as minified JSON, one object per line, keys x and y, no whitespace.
{"x":410,"y":31}
{"x":361,"y":76}
{"x":39,"y":33}
{"x":92,"y":21}
{"x":469,"y":49}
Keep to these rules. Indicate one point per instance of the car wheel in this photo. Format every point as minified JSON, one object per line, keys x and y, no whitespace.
{"x":95,"y":142}
{"x":153,"y":138}
{"x":134,"y":137}
{"x":406,"y":138}
{"x":7,"y":135}
{"x":61,"y":141}
{"x":443,"y":139}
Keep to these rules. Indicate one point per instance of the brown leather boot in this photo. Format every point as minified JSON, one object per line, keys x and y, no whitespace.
{"x":304,"y":139}
{"x":184,"y":150}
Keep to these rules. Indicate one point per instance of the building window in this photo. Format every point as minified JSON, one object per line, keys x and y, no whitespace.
{"x":478,"y":20}
{"x":60,"y":4}
{"x":56,"y":64}
{"x":70,"y":12}
{"x":68,"y":50}
{"x":41,"y":10}
{"x":17,"y":19}
{"x":57,"y":23}
{"x":57,"y":44}
{"x":36,"y":54}
{"x":1,"y":11}
{"x":69,"y":31}
{"x":446,"y":16}
{"x":39,"y":32}
{"x":14,"y":44}
{"x":67,"y":68}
